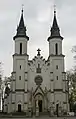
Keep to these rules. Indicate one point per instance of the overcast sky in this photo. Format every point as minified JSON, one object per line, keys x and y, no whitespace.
{"x":38,"y":16}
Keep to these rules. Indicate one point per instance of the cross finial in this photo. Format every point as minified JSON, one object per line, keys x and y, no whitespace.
{"x":54,"y":9}
{"x":38,"y":52}
{"x":22,"y":7}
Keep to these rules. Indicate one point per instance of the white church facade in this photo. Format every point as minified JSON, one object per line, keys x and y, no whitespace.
{"x":37,"y":84}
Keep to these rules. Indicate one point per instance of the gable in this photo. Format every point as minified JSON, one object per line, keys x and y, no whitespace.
{"x":38,"y":90}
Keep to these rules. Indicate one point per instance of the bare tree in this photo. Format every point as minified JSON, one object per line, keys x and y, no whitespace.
{"x":71,"y":76}
{"x":74,"y":52}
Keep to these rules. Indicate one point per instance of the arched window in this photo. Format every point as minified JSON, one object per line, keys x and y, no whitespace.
{"x":57,"y":77}
{"x":20,"y":48}
{"x":19,"y":77}
{"x":56,"y":66}
{"x":20,"y":67}
{"x":56,"y":49}
{"x":38,"y":70}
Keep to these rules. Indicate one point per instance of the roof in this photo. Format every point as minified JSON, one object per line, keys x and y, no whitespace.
{"x":55,"y":31}
{"x":21,"y":29}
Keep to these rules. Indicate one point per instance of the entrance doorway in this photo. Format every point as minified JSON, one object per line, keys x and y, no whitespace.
{"x":57,"y":108}
{"x":19,"y":107}
{"x":40,"y":105}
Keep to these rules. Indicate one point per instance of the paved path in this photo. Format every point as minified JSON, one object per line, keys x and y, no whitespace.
{"x":43,"y":117}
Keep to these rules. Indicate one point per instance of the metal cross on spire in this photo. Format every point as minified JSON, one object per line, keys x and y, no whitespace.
{"x":22,"y":7}
{"x":54,"y":9}
{"x":38,"y":52}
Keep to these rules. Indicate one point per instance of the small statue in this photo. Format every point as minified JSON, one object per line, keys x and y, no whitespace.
{"x":36,"y":103}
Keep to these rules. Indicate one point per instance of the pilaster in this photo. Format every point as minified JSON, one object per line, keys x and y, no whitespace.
{"x":51,"y":87}
{"x":26,"y":93}
{"x":51,"y":82}
{"x":64,"y":80}
{"x":5,"y":104}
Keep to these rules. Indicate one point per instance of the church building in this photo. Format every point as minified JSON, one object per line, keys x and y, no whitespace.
{"x":37,"y":84}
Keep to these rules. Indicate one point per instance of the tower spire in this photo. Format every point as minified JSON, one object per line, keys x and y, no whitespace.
{"x":21,"y":23}
{"x":21,"y":29}
{"x":55,"y":31}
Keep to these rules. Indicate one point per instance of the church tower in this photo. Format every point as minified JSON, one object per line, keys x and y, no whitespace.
{"x":58,"y":82}
{"x":20,"y":69}
{"x":55,"y":39}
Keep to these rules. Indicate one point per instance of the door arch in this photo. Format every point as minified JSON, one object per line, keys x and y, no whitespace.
{"x":40,"y":99}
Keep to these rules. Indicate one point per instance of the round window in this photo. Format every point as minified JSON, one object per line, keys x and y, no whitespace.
{"x":38,"y":80}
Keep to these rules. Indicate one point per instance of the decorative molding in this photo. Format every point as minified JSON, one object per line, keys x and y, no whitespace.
{"x":13,"y":91}
{"x":26,"y":92}
{"x":64,"y":91}
{"x":64,"y":72}
{"x":49,"y":90}
{"x":51,"y":72}
{"x":51,"y":79}
{"x":16,"y":54}
{"x":13,"y":80}
{"x":52,"y":91}
{"x":41,"y":57}
{"x":13,"y":72}
{"x":22,"y":36}
{"x":26,"y":80}
{"x":39,"y":94}
{"x":64,"y":102}
{"x":19,"y":90}
{"x":51,"y":37}
{"x":38,"y":70}
{"x":58,"y":90}
{"x":26,"y":72}
{"x":13,"y":102}
{"x":25,"y":103}
{"x":65,"y":80}
{"x":52,"y":55}
{"x":5,"y":97}
{"x":47,"y":61}
{"x":29,"y":64}
{"x":30,"y":61}
{"x":48,"y":64}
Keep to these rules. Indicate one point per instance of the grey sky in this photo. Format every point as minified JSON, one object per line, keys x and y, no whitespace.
{"x":38,"y":16}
